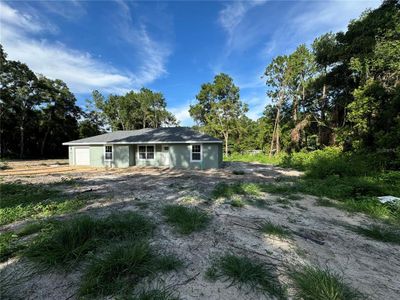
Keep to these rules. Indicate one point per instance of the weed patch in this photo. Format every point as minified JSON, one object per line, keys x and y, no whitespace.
{"x":20,"y":201}
{"x":381,"y":233}
{"x":9,"y":245}
{"x":274,"y":229}
{"x":316,"y":283}
{"x":243,"y":271}
{"x":185,"y":219}
{"x":237,"y":203}
{"x":73,"y":239}
{"x":122,"y":267}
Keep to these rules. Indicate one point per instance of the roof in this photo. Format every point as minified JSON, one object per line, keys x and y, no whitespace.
{"x":148,"y":136}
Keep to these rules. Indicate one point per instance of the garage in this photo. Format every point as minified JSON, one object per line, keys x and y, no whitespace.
{"x":82,"y":156}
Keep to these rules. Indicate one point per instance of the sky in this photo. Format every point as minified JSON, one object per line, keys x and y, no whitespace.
{"x":169,"y":46}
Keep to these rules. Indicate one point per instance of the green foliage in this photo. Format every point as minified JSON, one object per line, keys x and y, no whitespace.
{"x":134,"y":110}
{"x":122,"y":267}
{"x":244,"y":271}
{"x":73,"y":239}
{"x":186,"y":219}
{"x":219,"y":109}
{"x":380,"y":233}
{"x":20,"y":201}
{"x":9,"y":245}
{"x":237,"y":203}
{"x":273,"y":229}
{"x":226,"y":190}
{"x":314,"y":283}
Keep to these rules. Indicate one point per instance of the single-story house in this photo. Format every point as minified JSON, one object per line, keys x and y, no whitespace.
{"x":173,"y":147}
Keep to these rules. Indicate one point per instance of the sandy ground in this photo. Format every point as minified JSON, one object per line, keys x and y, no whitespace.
{"x":321,"y":237}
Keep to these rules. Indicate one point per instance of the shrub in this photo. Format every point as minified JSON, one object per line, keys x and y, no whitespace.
{"x":185,"y":219}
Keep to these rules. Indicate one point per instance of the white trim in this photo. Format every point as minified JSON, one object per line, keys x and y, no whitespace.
{"x":146,"y":159}
{"x":201,"y":152}
{"x":112,"y":153}
{"x":140,"y":143}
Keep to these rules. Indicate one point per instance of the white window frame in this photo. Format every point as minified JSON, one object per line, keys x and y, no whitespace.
{"x":191,"y":153}
{"x":112,"y":153}
{"x":138,"y":153}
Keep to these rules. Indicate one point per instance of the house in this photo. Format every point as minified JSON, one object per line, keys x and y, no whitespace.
{"x":173,"y":147}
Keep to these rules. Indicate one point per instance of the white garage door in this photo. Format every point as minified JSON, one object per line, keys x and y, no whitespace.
{"x":82,"y":156}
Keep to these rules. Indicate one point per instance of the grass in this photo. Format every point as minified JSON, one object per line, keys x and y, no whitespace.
{"x":186,"y":219}
{"x":314,"y":283}
{"x":225,"y":190}
{"x":122,"y":267}
{"x":237,"y":203}
{"x":354,"y":179}
{"x":69,"y":242}
{"x":273,"y":229}
{"x":154,"y":294}
{"x":20,"y":201}
{"x":243,"y":271}
{"x":386,"y":234}
{"x":9,"y":245}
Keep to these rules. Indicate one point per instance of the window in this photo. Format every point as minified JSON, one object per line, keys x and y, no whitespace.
{"x":166,"y":148}
{"x":146,"y":152}
{"x":108,"y":154}
{"x":196,"y":153}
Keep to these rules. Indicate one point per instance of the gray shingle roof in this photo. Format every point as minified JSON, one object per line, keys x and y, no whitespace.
{"x":148,"y":135}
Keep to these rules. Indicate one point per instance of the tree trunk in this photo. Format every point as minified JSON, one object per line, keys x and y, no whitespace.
{"x":44,"y":141}
{"x":226,"y":144}
{"x":21,"y":140}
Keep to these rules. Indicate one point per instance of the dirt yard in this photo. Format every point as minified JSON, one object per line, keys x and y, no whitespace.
{"x":321,"y":236}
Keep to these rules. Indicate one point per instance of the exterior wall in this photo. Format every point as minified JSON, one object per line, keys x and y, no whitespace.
{"x":178,"y":156}
{"x":71,"y":153}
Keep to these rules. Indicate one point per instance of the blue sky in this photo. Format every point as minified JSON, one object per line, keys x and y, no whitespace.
{"x":171,"y":47}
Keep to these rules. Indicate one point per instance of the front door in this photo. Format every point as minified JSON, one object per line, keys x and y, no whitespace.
{"x":165,"y":155}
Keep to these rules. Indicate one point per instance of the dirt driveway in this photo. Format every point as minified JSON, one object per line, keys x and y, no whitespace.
{"x":369,"y":266}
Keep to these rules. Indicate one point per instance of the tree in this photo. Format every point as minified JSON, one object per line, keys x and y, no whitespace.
{"x":219,"y":108}
{"x":59,"y":112}
{"x":134,"y":110}
{"x":277,"y":79}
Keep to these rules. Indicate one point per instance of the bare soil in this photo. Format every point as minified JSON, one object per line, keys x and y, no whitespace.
{"x":321,"y":236}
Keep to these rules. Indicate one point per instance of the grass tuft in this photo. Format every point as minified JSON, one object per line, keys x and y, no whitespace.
{"x":273,"y":229}
{"x":243,"y":271}
{"x":122,"y":267}
{"x":237,"y":203}
{"x":316,"y":283}
{"x":73,"y":239}
{"x":386,"y":234}
{"x":186,"y":219}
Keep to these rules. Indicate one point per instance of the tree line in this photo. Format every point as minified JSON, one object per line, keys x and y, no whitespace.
{"x":38,"y":114}
{"x":343,"y":90}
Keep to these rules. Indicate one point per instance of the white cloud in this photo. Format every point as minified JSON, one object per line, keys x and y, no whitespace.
{"x":182,"y":114}
{"x":81,"y":71}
